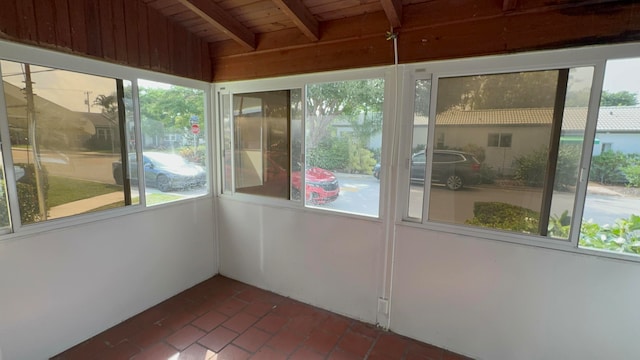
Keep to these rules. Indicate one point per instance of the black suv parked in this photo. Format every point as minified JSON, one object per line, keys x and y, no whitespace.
{"x":454,"y":169}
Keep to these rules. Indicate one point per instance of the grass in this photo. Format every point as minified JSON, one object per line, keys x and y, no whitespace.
{"x":64,"y":190}
{"x":152,"y":199}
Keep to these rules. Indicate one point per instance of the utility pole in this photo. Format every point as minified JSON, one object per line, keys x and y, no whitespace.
{"x":86,"y":101}
{"x":31,"y":117}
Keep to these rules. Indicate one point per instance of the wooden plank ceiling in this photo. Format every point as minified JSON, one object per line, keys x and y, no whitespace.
{"x":252,"y":30}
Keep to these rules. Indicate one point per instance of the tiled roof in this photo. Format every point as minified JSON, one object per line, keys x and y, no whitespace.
{"x":611,"y":118}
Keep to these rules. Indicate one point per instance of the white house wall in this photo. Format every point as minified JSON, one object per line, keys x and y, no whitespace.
{"x":525,"y":140}
{"x":63,"y":286}
{"x":323,"y":259}
{"x":626,"y":143}
{"x":493,"y":300}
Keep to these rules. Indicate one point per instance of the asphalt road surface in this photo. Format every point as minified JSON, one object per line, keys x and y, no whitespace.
{"x":359,"y":194}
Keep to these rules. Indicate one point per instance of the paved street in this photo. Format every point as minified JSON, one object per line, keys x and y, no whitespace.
{"x":359,"y":194}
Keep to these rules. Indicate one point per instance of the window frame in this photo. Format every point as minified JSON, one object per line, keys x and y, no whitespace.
{"x":291,"y":83}
{"x":595,"y":56}
{"x":43,"y":57}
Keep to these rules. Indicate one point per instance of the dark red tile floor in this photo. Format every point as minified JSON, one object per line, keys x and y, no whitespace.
{"x":222,"y":319}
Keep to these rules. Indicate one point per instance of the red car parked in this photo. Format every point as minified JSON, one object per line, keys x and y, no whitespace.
{"x":321,"y":185}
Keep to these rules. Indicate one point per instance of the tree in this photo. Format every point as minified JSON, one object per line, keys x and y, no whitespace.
{"x":357,"y":102}
{"x":172,"y":107}
{"x":533,"y":89}
{"x":108,"y":103}
{"x":620,"y":98}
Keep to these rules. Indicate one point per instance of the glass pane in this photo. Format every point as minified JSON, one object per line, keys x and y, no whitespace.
{"x":611,"y":219}
{"x":296,"y":142}
{"x":174,"y":145}
{"x":343,"y":129}
{"x":418,"y":145}
{"x":65,"y":140}
{"x":570,"y":151}
{"x":261,"y":143}
{"x":508,"y":186}
{"x":227,"y":152}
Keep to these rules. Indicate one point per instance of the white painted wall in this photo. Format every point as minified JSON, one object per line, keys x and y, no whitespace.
{"x":626,"y":143}
{"x":493,"y":300}
{"x":63,"y":286}
{"x":324,"y":259}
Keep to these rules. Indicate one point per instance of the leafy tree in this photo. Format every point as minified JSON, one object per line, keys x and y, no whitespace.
{"x":534,"y":89}
{"x":620,"y":98}
{"x":108,"y":103}
{"x":172,"y":107}
{"x":357,"y":102}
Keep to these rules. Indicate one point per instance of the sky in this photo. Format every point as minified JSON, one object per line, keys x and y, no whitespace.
{"x":623,"y":75}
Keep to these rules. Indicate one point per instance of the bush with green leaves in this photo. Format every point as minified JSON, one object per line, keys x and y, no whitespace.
{"x":498,"y":215}
{"x":567,"y":166}
{"x":197,"y":156}
{"x":27,"y":196}
{"x":606,"y":168}
{"x":623,"y":236}
{"x":331,"y":154}
{"x":633,"y":175}
{"x":531,"y":168}
{"x":361,"y":160}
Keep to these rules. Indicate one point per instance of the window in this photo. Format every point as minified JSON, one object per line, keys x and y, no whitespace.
{"x":527,"y":187}
{"x":343,"y":128}
{"x":499,"y":140}
{"x":261,"y":143}
{"x":611,"y":217}
{"x":174,"y":149}
{"x":61,"y":151}
{"x":323,"y":158}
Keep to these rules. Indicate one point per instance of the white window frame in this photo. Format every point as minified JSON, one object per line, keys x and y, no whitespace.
{"x":47,"y":58}
{"x":300,"y":82}
{"x":595,"y":57}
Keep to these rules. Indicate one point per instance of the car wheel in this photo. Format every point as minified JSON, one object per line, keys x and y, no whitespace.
{"x":454,"y":182}
{"x":162,"y":183}
{"x":313,"y":198}
{"x":117,"y":176}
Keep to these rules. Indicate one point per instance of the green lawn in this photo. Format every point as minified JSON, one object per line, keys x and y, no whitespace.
{"x":64,"y":190}
{"x":152,"y":199}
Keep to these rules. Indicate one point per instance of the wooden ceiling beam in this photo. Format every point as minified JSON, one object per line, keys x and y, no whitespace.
{"x":301,"y":16}
{"x":393,"y":10}
{"x":221,"y":20}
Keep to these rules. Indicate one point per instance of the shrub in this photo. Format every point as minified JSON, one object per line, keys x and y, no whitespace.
{"x":567,"y":167}
{"x":27,"y":196}
{"x":497,"y":215}
{"x":606,"y":168}
{"x":331,"y":154}
{"x":633,"y":175}
{"x":622,"y":236}
{"x":531,"y":168}
{"x":197,"y":157}
{"x":361,"y":160}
